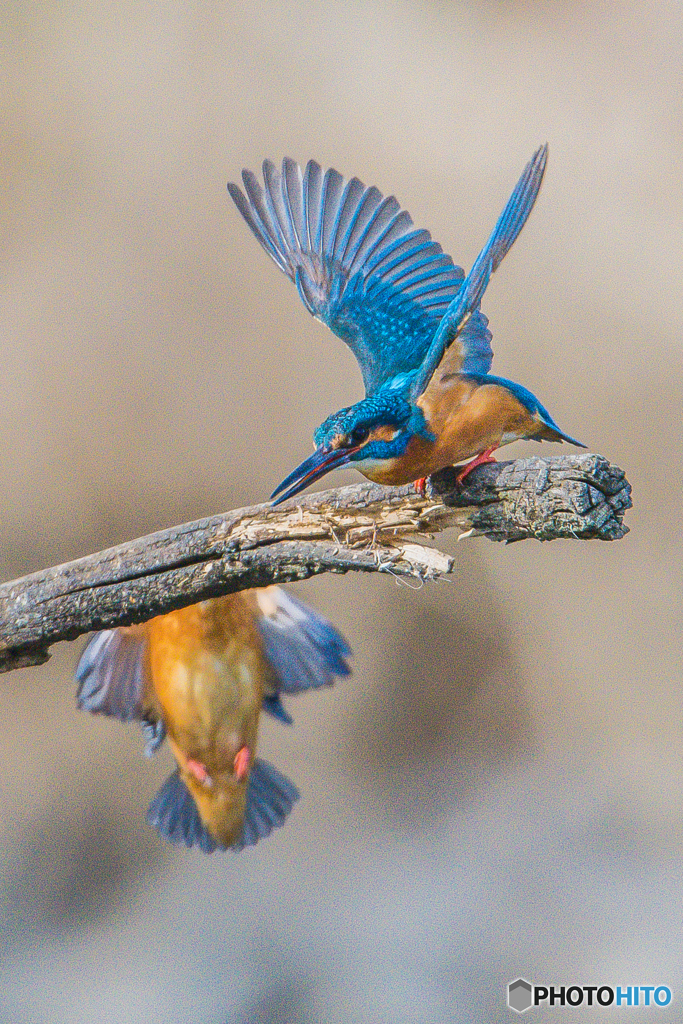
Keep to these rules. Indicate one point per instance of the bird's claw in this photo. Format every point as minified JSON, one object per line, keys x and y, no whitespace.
{"x":199,"y":772}
{"x":241,"y":762}
{"x":479,"y":460}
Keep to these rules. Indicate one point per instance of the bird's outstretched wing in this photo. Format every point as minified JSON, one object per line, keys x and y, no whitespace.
{"x":303,"y":650}
{"x":114,"y":679}
{"x":360,"y":266}
{"x":454,"y":326}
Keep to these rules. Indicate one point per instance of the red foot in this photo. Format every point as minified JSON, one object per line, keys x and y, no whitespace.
{"x":199,"y":771}
{"x":420,"y":486}
{"x":480,"y":460}
{"x":241,"y":762}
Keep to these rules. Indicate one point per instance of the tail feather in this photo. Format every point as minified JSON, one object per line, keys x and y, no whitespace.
{"x":555,"y":434}
{"x":270,"y":798}
{"x":174,"y":815}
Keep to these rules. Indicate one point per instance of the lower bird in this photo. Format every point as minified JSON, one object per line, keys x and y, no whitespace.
{"x":201,"y":676}
{"x":408,"y":314}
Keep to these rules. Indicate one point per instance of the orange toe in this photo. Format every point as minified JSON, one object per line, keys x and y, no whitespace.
{"x":199,"y":771}
{"x":241,"y":762}
{"x":480,"y":460}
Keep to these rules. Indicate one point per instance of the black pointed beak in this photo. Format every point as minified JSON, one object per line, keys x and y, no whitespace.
{"x":322,"y":461}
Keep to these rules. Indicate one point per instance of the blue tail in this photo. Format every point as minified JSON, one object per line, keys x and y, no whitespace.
{"x":174,"y":815}
{"x":530,"y":402}
{"x":270,"y":798}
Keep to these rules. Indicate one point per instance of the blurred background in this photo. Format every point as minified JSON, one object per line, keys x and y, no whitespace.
{"x":497,"y":790}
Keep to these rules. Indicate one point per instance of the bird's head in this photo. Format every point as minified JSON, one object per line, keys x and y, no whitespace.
{"x":377,"y":428}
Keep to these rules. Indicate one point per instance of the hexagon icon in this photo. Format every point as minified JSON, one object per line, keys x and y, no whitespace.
{"x":519,"y":995}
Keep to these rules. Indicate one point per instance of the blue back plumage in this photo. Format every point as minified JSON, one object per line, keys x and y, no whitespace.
{"x":360,"y":266}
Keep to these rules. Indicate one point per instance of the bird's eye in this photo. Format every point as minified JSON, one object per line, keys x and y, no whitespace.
{"x":358,"y":435}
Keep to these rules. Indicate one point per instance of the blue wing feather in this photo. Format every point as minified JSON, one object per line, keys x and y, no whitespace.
{"x":359,"y":264}
{"x":457,"y":320}
{"x":373,"y":212}
{"x":303,"y":649}
{"x":385,"y":288}
{"x":112,"y":674}
{"x":113,"y":679}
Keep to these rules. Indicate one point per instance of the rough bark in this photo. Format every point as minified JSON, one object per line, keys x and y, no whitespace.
{"x":364,"y":528}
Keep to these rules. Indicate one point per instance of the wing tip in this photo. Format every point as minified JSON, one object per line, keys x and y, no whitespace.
{"x":304,"y":649}
{"x":111,"y":674}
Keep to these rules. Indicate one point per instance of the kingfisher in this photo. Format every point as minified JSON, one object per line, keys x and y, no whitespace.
{"x":409,"y":315}
{"x":201,"y":676}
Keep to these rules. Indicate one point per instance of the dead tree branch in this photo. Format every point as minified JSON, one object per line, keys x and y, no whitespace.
{"x":363,"y":528}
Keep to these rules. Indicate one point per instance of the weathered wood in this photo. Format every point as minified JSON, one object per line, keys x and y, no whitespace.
{"x":363,"y":528}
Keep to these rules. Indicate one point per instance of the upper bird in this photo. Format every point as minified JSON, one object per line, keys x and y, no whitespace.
{"x":408,"y":314}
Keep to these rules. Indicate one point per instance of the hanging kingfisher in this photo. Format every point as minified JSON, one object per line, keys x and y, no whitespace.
{"x":201,"y":676}
{"x":410,"y":317}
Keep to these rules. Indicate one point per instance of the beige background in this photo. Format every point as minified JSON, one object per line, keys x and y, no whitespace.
{"x":497,"y":789}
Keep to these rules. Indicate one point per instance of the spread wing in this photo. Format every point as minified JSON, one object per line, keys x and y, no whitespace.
{"x":453,"y":331}
{"x":303,"y":650}
{"x":114,"y":679}
{"x":360,"y":266}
